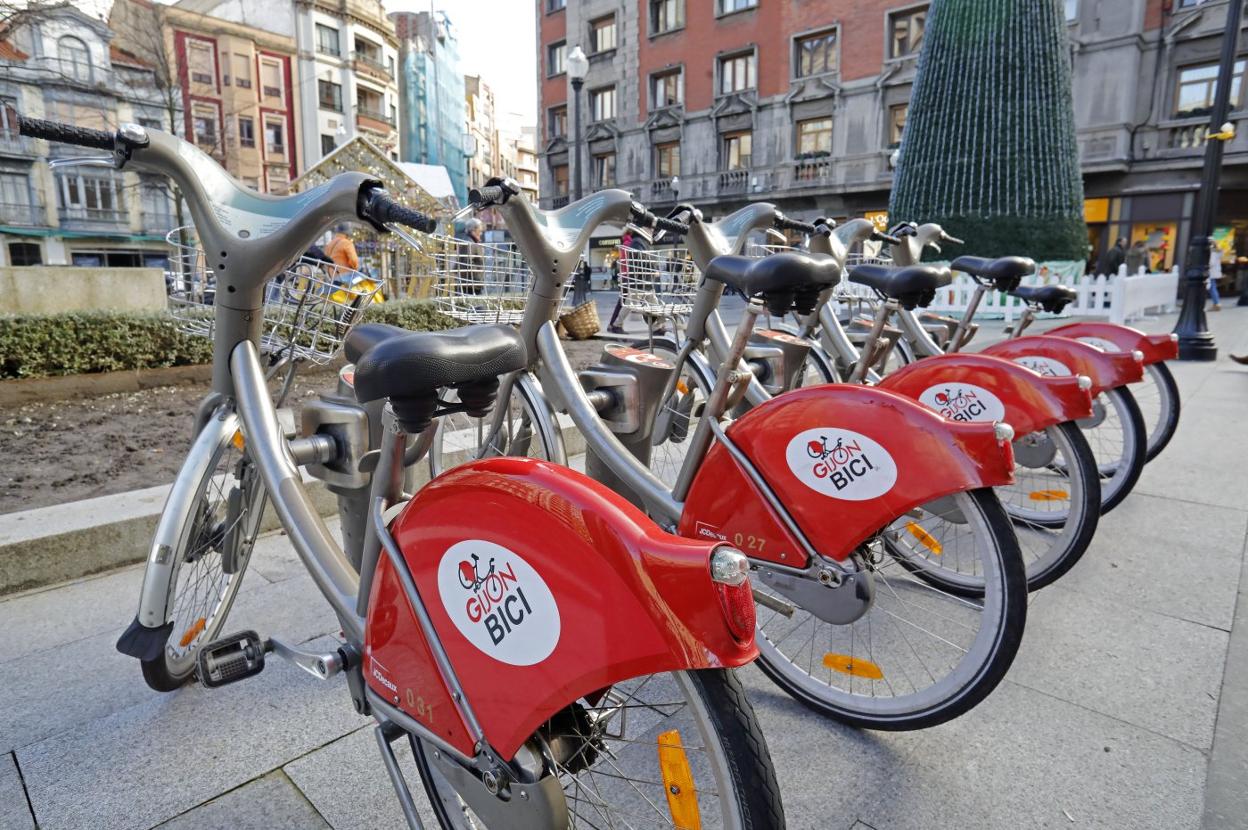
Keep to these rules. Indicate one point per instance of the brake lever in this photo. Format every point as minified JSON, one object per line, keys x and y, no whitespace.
{"x":402,"y":233}
{"x":89,"y":161}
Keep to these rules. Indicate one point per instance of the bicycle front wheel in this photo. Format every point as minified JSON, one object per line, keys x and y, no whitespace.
{"x":674,"y":750}
{"x":513,"y":427}
{"x":1158,"y":398}
{"x":921,"y":654}
{"x":218,"y":529}
{"x":1118,"y":438}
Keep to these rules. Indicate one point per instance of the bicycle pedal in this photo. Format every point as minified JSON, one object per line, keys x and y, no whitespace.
{"x":230,"y":659}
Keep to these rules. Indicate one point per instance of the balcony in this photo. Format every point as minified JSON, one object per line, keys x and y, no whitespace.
{"x":812,"y":172}
{"x":375,"y":120}
{"x":331,"y":51}
{"x":94,"y":219}
{"x":661,"y":190}
{"x":22,"y":215}
{"x":1185,"y":140}
{"x":734,"y":181}
{"x":13,"y":144}
{"x":370,"y":63}
{"x":272,"y":92}
{"x":559,"y":201}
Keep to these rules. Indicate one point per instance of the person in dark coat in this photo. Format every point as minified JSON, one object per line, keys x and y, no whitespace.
{"x":1113,"y":258}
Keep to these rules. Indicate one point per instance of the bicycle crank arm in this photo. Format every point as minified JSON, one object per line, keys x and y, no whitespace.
{"x":320,"y":666}
{"x":777,"y":605}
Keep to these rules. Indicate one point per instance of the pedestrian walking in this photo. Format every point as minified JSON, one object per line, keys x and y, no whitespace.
{"x":628,"y":242}
{"x":1137,"y":258}
{"x":1110,"y":261}
{"x":580,"y":284}
{"x":471,"y":264}
{"x":341,"y":251}
{"x":1215,"y":274}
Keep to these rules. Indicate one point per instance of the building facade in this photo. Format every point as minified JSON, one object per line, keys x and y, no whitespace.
{"x":65,"y":66}
{"x":804,"y":104}
{"x":431,"y":92}
{"x":486,"y":161}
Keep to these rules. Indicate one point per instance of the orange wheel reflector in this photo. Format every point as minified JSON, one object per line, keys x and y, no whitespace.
{"x":855,"y":666}
{"x":682,"y":387}
{"x":1049,"y":495}
{"x":239,"y":442}
{"x":193,"y":632}
{"x":926,"y":539}
{"x":682,"y":798}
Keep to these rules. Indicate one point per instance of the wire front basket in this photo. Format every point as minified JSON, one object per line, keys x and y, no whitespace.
{"x":661,"y":282}
{"x":308,"y":309}
{"x":851,"y":292}
{"x":479,"y":282}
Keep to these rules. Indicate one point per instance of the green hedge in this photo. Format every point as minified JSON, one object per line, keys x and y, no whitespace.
{"x":45,"y":345}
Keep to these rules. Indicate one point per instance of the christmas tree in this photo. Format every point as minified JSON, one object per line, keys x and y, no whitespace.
{"x":989,"y":149}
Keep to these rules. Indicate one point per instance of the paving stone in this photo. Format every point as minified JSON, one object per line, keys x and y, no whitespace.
{"x":215,"y":739}
{"x":1025,"y":759}
{"x":14,"y":811}
{"x":1180,"y":560}
{"x":1203,"y":462}
{"x":1226,"y":797}
{"x":1157,"y":672}
{"x":58,"y":688}
{"x":267,"y":803}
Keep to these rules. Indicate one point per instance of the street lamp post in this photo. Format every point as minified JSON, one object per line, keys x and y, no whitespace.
{"x":1195,"y":339}
{"x":578,"y":67}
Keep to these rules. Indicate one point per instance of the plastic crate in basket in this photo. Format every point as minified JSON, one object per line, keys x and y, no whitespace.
{"x":479,"y":282}
{"x":660,"y":282}
{"x":308,"y":309}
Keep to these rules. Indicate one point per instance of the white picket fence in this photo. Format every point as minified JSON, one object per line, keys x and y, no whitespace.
{"x":1119,"y":298}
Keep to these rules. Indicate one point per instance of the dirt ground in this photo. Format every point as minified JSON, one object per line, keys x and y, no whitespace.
{"x":62,"y":451}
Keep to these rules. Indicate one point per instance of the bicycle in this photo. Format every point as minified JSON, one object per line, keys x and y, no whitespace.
{"x":819,"y":559}
{"x":594,"y":727}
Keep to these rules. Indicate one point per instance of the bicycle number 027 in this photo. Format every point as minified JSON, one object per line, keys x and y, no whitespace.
{"x":749,"y":542}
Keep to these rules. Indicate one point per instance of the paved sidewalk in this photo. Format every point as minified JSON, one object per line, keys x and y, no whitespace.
{"x":1126,"y":708}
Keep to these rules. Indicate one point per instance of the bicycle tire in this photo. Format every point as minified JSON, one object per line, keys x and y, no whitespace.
{"x":742,"y":751}
{"x":1119,"y":473}
{"x":527,"y":437}
{"x":201,"y":544}
{"x":1171,"y":407}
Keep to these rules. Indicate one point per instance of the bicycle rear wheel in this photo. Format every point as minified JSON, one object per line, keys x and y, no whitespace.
{"x":520,"y":431}
{"x":1118,"y":438}
{"x":217,"y":531}
{"x":1158,"y":398}
{"x":673,"y":750}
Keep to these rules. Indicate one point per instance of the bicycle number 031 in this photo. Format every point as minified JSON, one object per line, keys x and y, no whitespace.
{"x":417,"y":705}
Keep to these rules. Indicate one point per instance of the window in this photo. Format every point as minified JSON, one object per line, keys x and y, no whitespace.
{"x":667,"y":160}
{"x":246,"y":131}
{"x":906,"y":32}
{"x":242,"y":71}
{"x":602,"y":103}
{"x":329,"y":95}
{"x":75,"y":58}
{"x":271,"y":78}
{"x":560,"y":172}
{"x":274,"y":136}
{"x":558,"y":121}
{"x":25,"y":253}
{"x":154,"y":200}
{"x":279,"y":180}
{"x":604,"y":170}
{"x":81,"y":115}
{"x":667,"y":89}
{"x":16,"y":207}
{"x":730,"y":6}
{"x":1196,"y":87}
{"x":90,"y":197}
{"x":814,"y":137}
{"x":556,"y":5}
{"x":200,"y":63}
{"x":602,"y":34}
{"x":737,"y":150}
{"x":555,"y":54}
{"x":327,"y":144}
{"x":1072,"y":10}
{"x":327,"y":40}
{"x":666,"y":16}
{"x":204,"y":123}
{"x":897,"y":123}
{"x":369,"y":103}
{"x":815,"y":54}
{"x":8,"y":127}
{"x":737,"y":73}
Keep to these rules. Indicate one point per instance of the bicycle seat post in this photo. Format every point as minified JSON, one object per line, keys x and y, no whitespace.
{"x":867,"y":350}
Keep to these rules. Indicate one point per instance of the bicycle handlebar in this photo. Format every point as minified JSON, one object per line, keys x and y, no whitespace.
{"x":377,"y":206}
{"x":483,"y":197}
{"x":646,"y":219}
{"x":66,"y":133}
{"x":786,"y":224}
{"x":880,"y":236}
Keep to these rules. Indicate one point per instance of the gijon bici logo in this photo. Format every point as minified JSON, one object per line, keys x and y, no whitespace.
{"x":963,"y":402}
{"x":499,"y":602}
{"x":841,"y":464}
{"x":1046,"y":366}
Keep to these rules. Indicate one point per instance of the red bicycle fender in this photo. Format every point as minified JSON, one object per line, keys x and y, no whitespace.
{"x":1114,"y":337}
{"x":574,"y":589}
{"x":976,"y":387}
{"x":1061,"y":356}
{"x":895,"y":455}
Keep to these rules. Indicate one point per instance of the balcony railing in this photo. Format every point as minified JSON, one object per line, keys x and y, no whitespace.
{"x":12,"y":142}
{"x":272,"y":92}
{"x":332,"y":51}
{"x":734,"y":181}
{"x":22,"y":214}
{"x":374,"y":115}
{"x":810,"y":172}
{"x":559,"y":201}
{"x":661,"y":191}
{"x":94,"y":218}
{"x":372,"y":61}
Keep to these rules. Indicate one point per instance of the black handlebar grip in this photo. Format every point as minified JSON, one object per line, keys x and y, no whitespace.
{"x":382,"y":209}
{"x":786,"y":224}
{"x":489,"y":195}
{"x":671,"y":225}
{"x":66,"y":133}
{"x":879,"y":236}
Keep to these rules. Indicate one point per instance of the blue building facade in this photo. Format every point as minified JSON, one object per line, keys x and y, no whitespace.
{"x":433,"y":115}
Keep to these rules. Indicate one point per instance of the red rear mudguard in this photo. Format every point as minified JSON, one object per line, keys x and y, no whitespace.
{"x":1061,"y":357}
{"x":572,"y":589}
{"x":893,"y":455}
{"x":1114,"y":337}
{"x":977,"y":387}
